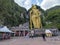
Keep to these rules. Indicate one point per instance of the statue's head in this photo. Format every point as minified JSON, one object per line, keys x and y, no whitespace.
{"x":34,"y":6}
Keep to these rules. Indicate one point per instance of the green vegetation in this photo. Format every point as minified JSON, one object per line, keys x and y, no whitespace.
{"x":53,"y":16}
{"x":11,"y":13}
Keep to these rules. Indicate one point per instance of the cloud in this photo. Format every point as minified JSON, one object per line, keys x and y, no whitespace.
{"x":24,"y":3}
{"x":46,"y":4}
{"x":27,"y":3}
{"x":38,"y":2}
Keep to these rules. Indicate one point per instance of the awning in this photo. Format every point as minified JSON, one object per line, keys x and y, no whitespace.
{"x":5,"y":29}
{"x":47,"y":31}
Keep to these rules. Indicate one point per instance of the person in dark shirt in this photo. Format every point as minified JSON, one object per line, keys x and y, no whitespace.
{"x":43,"y":36}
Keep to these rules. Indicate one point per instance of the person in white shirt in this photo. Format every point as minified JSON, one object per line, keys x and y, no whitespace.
{"x":32,"y":33}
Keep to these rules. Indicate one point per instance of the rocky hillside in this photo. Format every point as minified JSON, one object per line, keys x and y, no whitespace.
{"x":11,"y":14}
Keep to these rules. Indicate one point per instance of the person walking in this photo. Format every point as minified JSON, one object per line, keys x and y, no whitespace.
{"x":32,"y":33}
{"x":43,"y":36}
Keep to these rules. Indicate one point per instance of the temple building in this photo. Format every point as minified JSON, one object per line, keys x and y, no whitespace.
{"x":21,"y":30}
{"x":34,"y":23}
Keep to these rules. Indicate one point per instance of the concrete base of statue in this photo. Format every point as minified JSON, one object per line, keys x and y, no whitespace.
{"x":38,"y":32}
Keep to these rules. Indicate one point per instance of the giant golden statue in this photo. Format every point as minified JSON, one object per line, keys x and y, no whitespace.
{"x":35,"y":20}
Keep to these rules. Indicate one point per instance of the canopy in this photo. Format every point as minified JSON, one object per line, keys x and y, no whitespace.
{"x":47,"y":31}
{"x":5,"y":29}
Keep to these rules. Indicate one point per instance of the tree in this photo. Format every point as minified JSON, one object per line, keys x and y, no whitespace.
{"x":10,"y":13}
{"x":53,"y":16}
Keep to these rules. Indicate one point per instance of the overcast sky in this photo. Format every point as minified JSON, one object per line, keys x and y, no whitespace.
{"x":44,"y":4}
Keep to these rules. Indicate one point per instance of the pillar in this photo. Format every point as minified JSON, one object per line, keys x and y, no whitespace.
{"x":24,"y":33}
{"x":19,"y":33}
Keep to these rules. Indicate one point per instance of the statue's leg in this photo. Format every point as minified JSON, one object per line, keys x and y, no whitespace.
{"x":34,"y":22}
{"x":30,"y":23}
{"x":39,"y":22}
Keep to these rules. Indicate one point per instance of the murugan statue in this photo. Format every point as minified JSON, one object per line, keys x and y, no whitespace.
{"x":35,"y":20}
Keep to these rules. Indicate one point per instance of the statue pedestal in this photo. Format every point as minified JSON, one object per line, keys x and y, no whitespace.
{"x":38,"y":32}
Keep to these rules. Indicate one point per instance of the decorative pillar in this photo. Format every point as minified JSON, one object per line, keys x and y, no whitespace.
{"x":24,"y":32}
{"x":14,"y":33}
{"x":19,"y":33}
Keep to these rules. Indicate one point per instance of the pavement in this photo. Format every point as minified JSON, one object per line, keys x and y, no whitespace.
{"x":30,"y":41}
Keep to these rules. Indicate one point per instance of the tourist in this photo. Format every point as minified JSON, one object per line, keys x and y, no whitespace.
{"x":32,"y":33}
{"x":43,"y":36}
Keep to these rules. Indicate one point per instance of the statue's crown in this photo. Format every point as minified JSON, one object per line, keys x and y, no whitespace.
{"x":33,"y":6}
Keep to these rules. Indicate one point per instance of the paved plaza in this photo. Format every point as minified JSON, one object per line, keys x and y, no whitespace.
{"x":30,"y":41}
